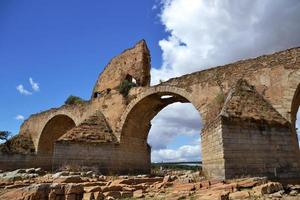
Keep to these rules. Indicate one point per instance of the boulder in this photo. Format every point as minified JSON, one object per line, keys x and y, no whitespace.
{"x":30,"y":170}
{"x":99,"y":195}
{"x":126,"y":194}
{"x":224,"y":195}
{"x":267,"y":188}
{"x":278,"y":194}
{"x":114,"y":194}
{"x":93,"y":189}
{"x":167,"y":179}
{"x":184,"y":187}
{"x":73,"y":189}
{"x":240,"y":195}
{"x":138,"y":194}
{"x":59,"y":174}
{"x":33,"y":192}
{"x":111,"y":188}
{"x":68,"y":179}
{"x":57,"y":188}
{"x":293,"y":193}
{"x":88,"y":196}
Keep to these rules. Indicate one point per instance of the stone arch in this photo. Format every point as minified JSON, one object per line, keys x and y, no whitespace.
{"x":53,"y":129}
{"x":135,"y":121}
{"x":294,"y":109}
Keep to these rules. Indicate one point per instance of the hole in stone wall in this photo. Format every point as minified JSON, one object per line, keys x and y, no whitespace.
{"x":131,"y":79}
{"x":134,"y":81}
{"x":175,"y":134}
{"x":96,"y":94}
{"x":166,"y":96}
{"x":128,"y":78}
{"x":298,"y":126}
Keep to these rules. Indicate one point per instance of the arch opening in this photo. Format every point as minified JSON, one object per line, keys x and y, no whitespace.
{"x":174,"y":136}
{"x":295,"y":116}
{"x":138,"y":122}
{"x":54,"y":129}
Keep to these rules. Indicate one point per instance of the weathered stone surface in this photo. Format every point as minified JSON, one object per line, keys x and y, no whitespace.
{"x":68,"y":179}
{"x":114,"y":194}
{"x":138,"y":194}
{"x":133,"y":62}
{"x":73,"y":189}
{"x":111,"y":188}
{"x":247,"y":106}
{"x":92,"y":189}
{"x":268,"y":188}
{"x":240,"y":195}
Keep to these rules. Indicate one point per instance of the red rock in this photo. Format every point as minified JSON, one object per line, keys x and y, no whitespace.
{"x":111,"y":188}
{"x":185,"y":187}
{"x":92,"y":189}
{"x":138,"y":194}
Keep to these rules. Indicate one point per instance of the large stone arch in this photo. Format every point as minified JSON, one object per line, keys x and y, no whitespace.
{"x":146,"y":106}
{"x":53,"y":129}
{"x":135,"y":124}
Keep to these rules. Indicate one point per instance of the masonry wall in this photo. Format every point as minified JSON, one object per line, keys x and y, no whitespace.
{"x":258,"y":149}
{"x":19,"y":161}
{"x":107,"y":158}
{"x":212,"y":150}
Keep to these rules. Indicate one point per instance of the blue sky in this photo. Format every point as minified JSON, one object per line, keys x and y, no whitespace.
{"x":63,"y":45}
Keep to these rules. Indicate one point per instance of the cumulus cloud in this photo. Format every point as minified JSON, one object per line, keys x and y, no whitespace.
{"x":20,"y":117}
{"x":35,"y":86}
{"x":170,"y":123}
{"x":183,"y":153}
{"x":206,"y":33}
{"x":22,"y":90}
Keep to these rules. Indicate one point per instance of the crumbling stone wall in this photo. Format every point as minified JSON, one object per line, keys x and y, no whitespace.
{"x":274,"y":77}
{"x":132,"y":64}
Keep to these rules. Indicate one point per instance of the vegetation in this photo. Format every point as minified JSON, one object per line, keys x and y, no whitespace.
{"x":17,"y":144}
{"x":125,"y":87}
{"x":5,"y":135}
{"x":72,"y":100}
{"x":169,"y":166}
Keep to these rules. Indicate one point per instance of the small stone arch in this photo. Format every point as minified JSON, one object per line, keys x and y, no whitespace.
{"x":53,"y":129}
{"x":145,"y":107}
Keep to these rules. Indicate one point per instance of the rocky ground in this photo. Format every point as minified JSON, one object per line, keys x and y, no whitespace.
{"x":36,"y":184}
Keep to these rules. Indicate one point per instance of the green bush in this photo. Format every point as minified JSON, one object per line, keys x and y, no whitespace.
{"x":72,"y":100}
{"x":125,"y":87}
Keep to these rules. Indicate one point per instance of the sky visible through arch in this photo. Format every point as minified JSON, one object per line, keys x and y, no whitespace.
{"x":51,"y":49}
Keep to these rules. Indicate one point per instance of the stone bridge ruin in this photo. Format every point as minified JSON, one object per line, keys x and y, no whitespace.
{"x":248,"y":110}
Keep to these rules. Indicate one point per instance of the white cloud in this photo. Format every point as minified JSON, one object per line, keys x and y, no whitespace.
{"x":183,"y":153}
{"x":206,"y":33}
{"x":35,"y":86}
{"x":20,"y":117}
{"x":298,"y":125}
{"x":22,"y":90}
{"x":170,"y":123}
